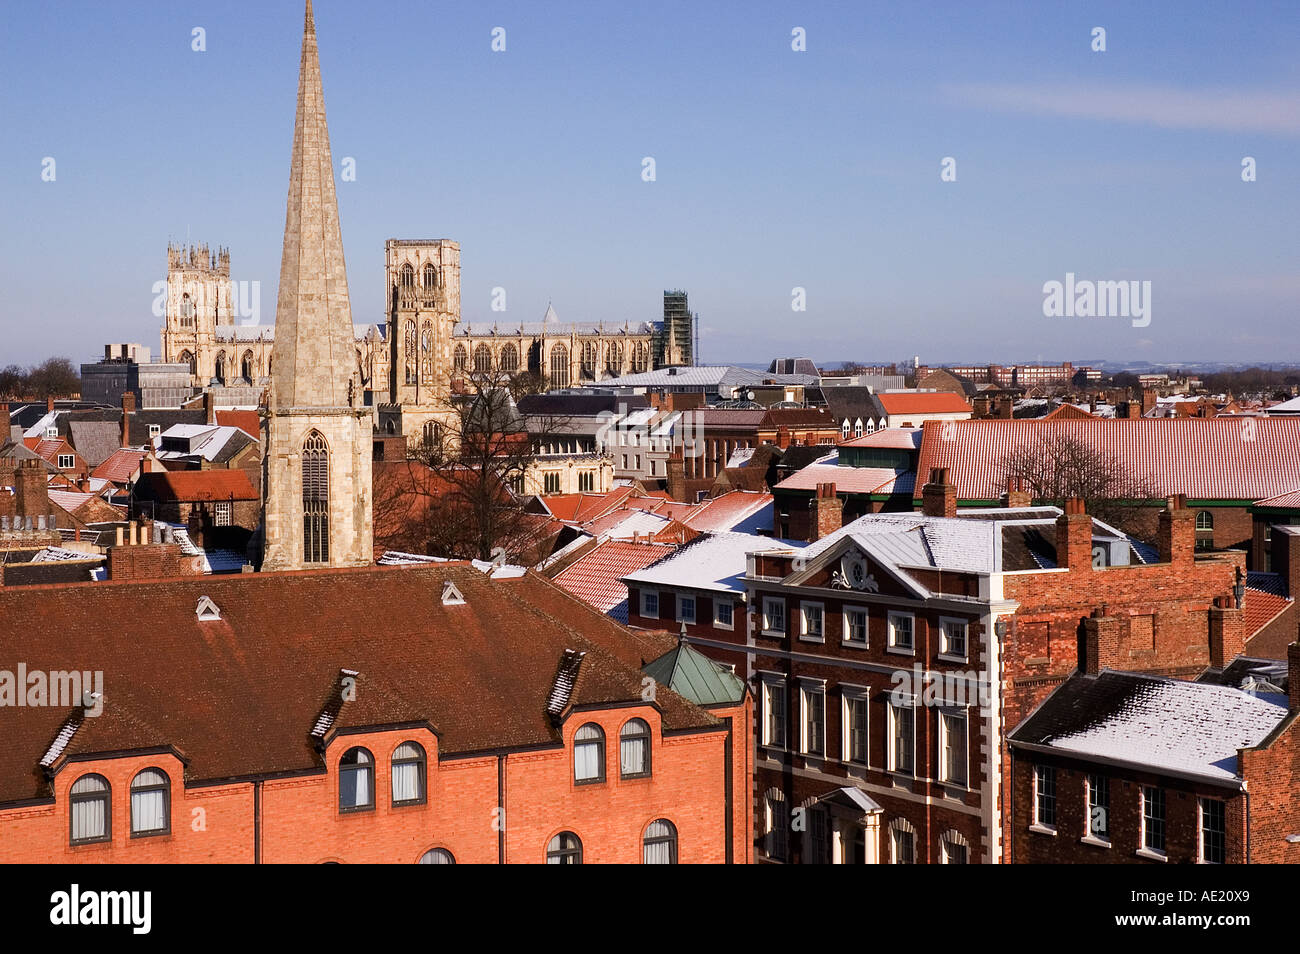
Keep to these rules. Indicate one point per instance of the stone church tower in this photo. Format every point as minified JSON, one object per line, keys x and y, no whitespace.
{"x":316,"y":432}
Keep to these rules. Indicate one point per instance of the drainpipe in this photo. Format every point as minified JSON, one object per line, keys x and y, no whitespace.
{"x":257,"y":822}
{"x":501,"y":804}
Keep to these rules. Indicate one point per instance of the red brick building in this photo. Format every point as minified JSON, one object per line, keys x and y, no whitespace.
{"x":1117,"y":767}
{"x":399,"y":715}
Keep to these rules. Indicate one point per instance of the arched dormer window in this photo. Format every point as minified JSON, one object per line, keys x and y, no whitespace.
{"x":356,"y":780}
{"x":634,"y":749}
{"x":315,"y":499}
{"x":408,"y":774}
{"x":589,"y":754}
{"x":89,"y":800}
{"x":150,"y":803}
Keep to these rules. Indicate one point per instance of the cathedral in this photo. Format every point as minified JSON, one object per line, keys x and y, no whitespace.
{"x":408,"y":368}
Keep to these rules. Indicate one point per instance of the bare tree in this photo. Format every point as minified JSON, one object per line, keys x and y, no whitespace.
{"x":1057,"y":466}
{"x":460,"y":493}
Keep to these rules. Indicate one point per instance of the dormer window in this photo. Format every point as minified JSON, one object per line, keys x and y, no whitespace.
{"x":206,"y":610}
{"x":451,"y":595}
{"x":52,"y":433}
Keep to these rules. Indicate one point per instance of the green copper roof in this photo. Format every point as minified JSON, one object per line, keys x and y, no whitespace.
{"x":691,"y":674}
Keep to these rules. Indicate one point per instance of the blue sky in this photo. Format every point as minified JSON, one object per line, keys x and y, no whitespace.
{"x":775,"y":168}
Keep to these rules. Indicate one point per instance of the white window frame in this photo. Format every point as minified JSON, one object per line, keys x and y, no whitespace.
{"x":845,"y":638}
{"x":1157,"y":854}
{"x":850,"y":694}
{"x":892,"y":709}
{"x":807,"y":689}
{"x":1036,"y":824}
{"x":945,"y":716}
{"x":155,"y":430}
{"x":71,"y":461}
{"x":945,"y":651}
{"x":223,"y":513}
{"x":1200,"y":831}
{"x":804,"y":606}
{"x":1089,"y":836}
{"x":681,"y":602}
{"x":896,"y":827}
{"x":891,"y":645}
{"x":774,"y":685}
{"x":645,"y":612}
{"x":767,"y":616}
{"x":718,"y":603}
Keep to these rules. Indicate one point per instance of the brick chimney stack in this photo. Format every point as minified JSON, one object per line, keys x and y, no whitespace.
{"x":1227,"y":632}
{"x":1006,"y":408}
{"x":4,"y":422}
{"x":1176,"y":536}
{"x":938,"y":497}
{"x":1148,"y":400}
{"x":1074,"y":537}
{"x":31,"y":490}
{"x":209,"y":407}
{"x":1098,"y":643}
{"x":128,"y":408}
{"x":980,"y":405}
{"x":783,"y":437}
{"x":677,"y":475}
{"x":827,"y":514}
{"x":49,"y":405}
{"x":1017,"y":494}
{"x":1293,"y":676}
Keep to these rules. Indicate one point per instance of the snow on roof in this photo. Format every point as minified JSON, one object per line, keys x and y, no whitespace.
{"x":712,"y":561}
{"x":851,"y":480}
{"x":1187,"y":728}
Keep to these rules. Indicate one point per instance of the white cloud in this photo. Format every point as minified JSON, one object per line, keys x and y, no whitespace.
{"x":1223,"y":110}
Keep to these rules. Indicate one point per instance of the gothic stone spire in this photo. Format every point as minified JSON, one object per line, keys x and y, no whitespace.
{"x":314,"y":353}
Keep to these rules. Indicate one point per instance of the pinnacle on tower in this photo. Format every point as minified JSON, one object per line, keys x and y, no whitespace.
{"x":314,"y":352}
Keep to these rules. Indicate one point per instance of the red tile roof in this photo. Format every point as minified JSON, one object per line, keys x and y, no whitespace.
{"x":1259,"y":608}
{"x":726,"y":510}
{"x":240,"y":695}
{"x":246,"y":421}
{"x":596,"y":578}
{"x":196,"y":486}
{"x":940,"y":402}
{"x":1217,"y":458}
{"x":851,"y":480}
{"x":895,"y":438}
{"x":121,"y":466}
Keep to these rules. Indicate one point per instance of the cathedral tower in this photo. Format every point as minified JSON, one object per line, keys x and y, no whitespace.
{"x":199,"y":300}
{"x":316,"y":433}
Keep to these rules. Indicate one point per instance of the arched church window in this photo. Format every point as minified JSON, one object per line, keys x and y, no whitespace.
{"x":509,"y":358}
{"x":640,"y":357}
{"x":482,"y":358}
{"x":187,"y":311}
{"x":559,"y":366}
{"x":246,"y":367}
{"x":315,"y":499}
{"x":410,"y":353}
{"x":430,"y":276}
{"x":187,"y":358}
{"x":589,"y":350}
{"x":408,"y":276}
{"x":220,"y":367}
{"x":459,"y":358}
{"x":426,"y":352}
{"x":614,"y":358}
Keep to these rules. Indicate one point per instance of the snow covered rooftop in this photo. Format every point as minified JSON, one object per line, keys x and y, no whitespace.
{"x":1167,"y":725}
{"x":712,"y":561}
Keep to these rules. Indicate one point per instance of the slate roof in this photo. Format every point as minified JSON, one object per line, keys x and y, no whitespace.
{"x":1164,"y":725}
{"x":239,"y":696}
{"x":95,"y":441}
{"x":853,"y":403}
